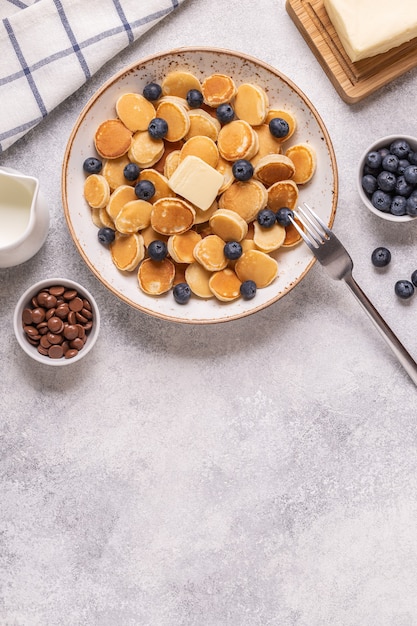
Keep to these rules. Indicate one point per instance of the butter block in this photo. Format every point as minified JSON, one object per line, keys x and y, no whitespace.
{"x":196,"y":181}
{"x":370,"y":27}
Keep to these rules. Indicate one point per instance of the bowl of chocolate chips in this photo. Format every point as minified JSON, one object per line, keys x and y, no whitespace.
{"x":56,"y":321}
{"x":387,"y":178}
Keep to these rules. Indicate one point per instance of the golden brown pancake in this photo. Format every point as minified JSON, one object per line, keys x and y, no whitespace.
{"x":225,"y":285}
{"x":257,"y":266}
{"x":172,"y":216}
{"x":112,"y":139}
{"x":96,"y":191}
{"x":127,"y":251}
{"x":237,"y":140}
{"x":304,"y":158}
{"x":246,"y":198}
{"x":156,"y":277}
{"x":218,"y":89}
{"x":135,"y":111}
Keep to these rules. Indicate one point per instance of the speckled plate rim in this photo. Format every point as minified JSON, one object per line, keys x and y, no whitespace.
{"x":321,"y":192}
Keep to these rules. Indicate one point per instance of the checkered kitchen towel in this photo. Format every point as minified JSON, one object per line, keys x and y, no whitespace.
{"x":49,"y":48}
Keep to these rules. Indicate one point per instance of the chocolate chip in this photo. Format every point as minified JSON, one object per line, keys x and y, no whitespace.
{"x":57,"y":322}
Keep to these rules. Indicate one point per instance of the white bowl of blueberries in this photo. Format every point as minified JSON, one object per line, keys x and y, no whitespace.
{"x":387,"y":179}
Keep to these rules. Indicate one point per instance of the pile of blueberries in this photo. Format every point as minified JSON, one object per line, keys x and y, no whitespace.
{"x":404,"y":289}
{"x":390,"y":178}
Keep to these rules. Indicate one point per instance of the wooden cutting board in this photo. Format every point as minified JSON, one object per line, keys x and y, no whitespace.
{"x":352,"y":81}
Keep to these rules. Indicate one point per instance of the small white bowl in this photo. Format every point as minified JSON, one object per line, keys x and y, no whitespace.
{"x":25,"y":301}
{"x":382,"y":143}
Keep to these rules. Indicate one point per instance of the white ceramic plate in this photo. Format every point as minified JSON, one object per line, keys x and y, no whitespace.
{"x":320,"y":192}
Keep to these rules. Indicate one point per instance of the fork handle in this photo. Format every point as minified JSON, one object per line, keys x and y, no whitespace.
{"x":391,"y":339}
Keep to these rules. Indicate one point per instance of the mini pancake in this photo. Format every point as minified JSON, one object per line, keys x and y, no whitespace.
{"x":156,"y":277}
{"x":176,"y":100}
{"x":251,"y":104}
{"x":282,"y":194}
{"x":179,"y":83}
{"x":268,"y":144}
{"x":304,"y":158}
{"x":113,"y":172}
{"x":218,"y":89}
{"x":172,"y":216}
{"x":171,"y":163}
{"x":246,"y":198}
{"x":135,"y":111}
{"x":268,"y":239}
{"x":285,"y":115}
{"x":225,"y":168}
{"x":149,"y":235}
{"x":177,"y":119}
{"x":237,"y":140}
{"x":127,"y":251}
{"x":292,"y":236}
{"x":106,"y":219}
{"x":96,"y":191}
{"x":209,"y":252}
{"x":228,"y":225}
{"x":202,"y":147}
{"x":179,"y":273}
{"x":112,"y":139}
{"x":145,"y":151}
{"x":169,"y":146}
{"x":225,"y":285}
{"x":160,"y":182}
{"x":181,"y":247}
{"x":96,"y":219}
{"x":202,"y":123}
{"x":120,"y":196}
{"x":197,"y":278}
{"x":273,"y":168}
{"x":257,"y":266}
{"x":134,"y":216}
{"x":203,"y":216}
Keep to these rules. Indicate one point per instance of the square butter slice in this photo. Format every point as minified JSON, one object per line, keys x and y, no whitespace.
{"x":370,"y":27}
{"x":196,"y":181}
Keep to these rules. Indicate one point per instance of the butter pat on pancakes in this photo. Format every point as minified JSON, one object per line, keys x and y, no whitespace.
{"x":196,"y":181}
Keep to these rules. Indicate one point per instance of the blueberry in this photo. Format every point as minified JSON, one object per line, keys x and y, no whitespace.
{"x":157,"y":128}
{"x":399,"y":205}
{"x":412,"y":157}
{"x":383,"y":152}
{"x":194,"y":98}
{"x":152,"y":91}
{"x":182,"y":293}
{"x":157,"y":250}
{"x":225,"y":113}
{"x":106,"y":235}
{"x":411,"y":208}
{"x":92,"y":165}
{"x":402,"y":165}
{"x":400,"y":148}
{"x":371,"y":171}
{"x":410,"y":174}
{"x":380,"y":257}
{"x":390,"y":163}
{"x":131,"y":171}
{"x":414,"y":278}
{"x":266,"y":218}
{"x":283,"y":216}
{"x":369,"y":184}
{"x":145,"y":190}
{"x":242,"y":169}
{"x":404,"y":289}
{"x":279,"y":127}
{"x":386,"y":181}
{"x":373,"y":159}
{"x":381,"y":200}
{"x":248,"y":289}
{"x":402,"y":188}
{"x":232,"y":250}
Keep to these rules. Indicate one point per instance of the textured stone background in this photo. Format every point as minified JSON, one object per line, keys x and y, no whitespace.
{"x":258,"y":473}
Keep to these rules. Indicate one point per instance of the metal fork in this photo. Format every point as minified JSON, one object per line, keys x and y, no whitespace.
{"x":334,"y":257}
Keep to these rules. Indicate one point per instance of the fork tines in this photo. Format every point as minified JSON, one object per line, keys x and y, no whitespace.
{"x":311,"y":224}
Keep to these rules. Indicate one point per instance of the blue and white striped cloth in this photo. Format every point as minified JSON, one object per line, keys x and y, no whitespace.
{"x":49,"y":48}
